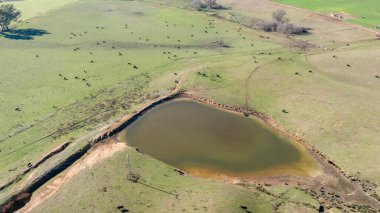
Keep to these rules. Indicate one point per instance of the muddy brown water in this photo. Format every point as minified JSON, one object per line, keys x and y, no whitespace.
{"x":207,"y":141}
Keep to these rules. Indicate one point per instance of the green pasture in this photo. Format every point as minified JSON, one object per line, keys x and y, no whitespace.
{"x":112,"y":65}
{"x":364,"y":12}
{"x":119,"y":55}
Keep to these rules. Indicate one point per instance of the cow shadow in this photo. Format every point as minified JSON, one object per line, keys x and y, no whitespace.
{"x":23,"y":34}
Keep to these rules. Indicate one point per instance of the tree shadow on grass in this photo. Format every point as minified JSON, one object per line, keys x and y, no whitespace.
{"x":23,"y":34}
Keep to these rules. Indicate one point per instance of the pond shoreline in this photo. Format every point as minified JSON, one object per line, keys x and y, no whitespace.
{"x":310,"y":184}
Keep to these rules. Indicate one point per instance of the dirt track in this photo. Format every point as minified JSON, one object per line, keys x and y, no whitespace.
{"x":99,"y":153}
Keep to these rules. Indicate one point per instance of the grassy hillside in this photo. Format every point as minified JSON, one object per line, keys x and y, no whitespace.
{"x":365,"y":13}
{"x":66,"y":74}
{"x":33,"y":8}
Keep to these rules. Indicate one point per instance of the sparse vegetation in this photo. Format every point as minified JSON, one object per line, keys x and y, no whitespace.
{"x":206,"y":5}
{"x":280,"y":24}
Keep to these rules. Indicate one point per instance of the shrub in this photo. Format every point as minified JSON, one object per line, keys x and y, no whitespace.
{"x":267,"y":26}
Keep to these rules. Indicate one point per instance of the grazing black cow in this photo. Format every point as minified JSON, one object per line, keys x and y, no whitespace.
{"x":296,"y":73}
{"x":321,"y":209}
{"x":135,"y":67}
{"x":348,"y":65}
{"x":243,"y":207}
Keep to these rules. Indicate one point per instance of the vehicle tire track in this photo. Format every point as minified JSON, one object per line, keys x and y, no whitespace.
{"x":249,"y":78}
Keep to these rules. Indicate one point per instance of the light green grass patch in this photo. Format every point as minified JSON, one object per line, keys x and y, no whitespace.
{"x":365,"y":13}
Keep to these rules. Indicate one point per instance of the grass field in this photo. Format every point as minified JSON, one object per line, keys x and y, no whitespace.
{"x":128,"y":55}
{"x":33,"y":8}
{"x":365,"y":13}
{"x":176,"y":193}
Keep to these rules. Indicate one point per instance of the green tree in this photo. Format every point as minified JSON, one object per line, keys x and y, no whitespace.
{"x":8,"y":14}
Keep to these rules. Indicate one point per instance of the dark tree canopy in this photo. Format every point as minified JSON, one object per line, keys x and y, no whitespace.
{"x":8,"y":14}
